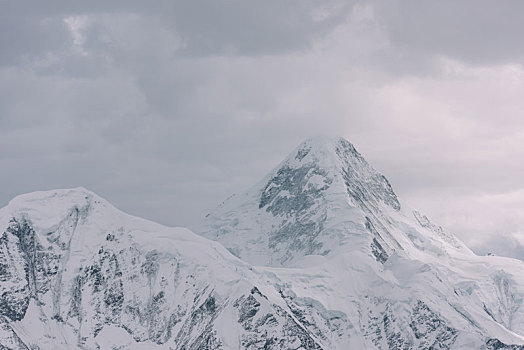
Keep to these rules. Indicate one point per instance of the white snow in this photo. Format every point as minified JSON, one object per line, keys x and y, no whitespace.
{"x":341,"y":288}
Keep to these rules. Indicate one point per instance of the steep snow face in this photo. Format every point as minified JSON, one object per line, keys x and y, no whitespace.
{"x":324,"y":198}
{"x":77,"y":273}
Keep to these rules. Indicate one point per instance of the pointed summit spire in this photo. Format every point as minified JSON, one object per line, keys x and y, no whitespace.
{"x":323,"y":164}
{"x":322,"y":199}
{"x":320,"y":195}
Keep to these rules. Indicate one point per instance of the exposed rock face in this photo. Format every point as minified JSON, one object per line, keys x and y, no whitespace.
{"x":495,"y":344}
{"x":361,"y":271}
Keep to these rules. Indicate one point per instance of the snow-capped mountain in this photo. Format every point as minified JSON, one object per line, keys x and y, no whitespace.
{"x":327,"y":257}
{"x":347,"y":241}
{"x":77,"y":273}
{"x":323,"y":199}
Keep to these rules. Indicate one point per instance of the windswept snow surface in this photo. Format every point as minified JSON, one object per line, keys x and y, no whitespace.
{"x":325,"y":256}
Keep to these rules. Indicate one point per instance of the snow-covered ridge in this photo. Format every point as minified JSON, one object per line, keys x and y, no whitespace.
{"x":78,"y":273}
{"x":342,"y":264}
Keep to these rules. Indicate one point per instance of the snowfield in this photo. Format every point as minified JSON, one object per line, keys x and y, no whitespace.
{"x":321,"y":254}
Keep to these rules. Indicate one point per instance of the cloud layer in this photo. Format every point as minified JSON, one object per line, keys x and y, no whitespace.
{"x":166,"y":110}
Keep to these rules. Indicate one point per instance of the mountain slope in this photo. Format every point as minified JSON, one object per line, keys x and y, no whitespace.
{"x":77,"y":273}
{"x":348,"y":266}
{"x":326,"y":214}
{"x":322,"y":199}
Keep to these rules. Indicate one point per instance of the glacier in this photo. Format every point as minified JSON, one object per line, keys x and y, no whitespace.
{"x":320,"y":254}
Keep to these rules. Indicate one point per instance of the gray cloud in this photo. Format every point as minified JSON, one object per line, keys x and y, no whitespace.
{"x":480,"y":32}
{"x":253,"y":27}
{"x":166,"y":110}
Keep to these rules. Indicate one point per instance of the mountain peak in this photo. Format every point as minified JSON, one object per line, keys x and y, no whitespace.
{"x":332,"y":165}
{"x":46,"y":208}
{"x":322,"y":199}
{"x":323,"y":142}
{"x":322,"y":148}
{"x":76,"y":195}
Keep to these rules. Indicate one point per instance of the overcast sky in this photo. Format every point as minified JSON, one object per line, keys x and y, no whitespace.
{"x":165,"y":108}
